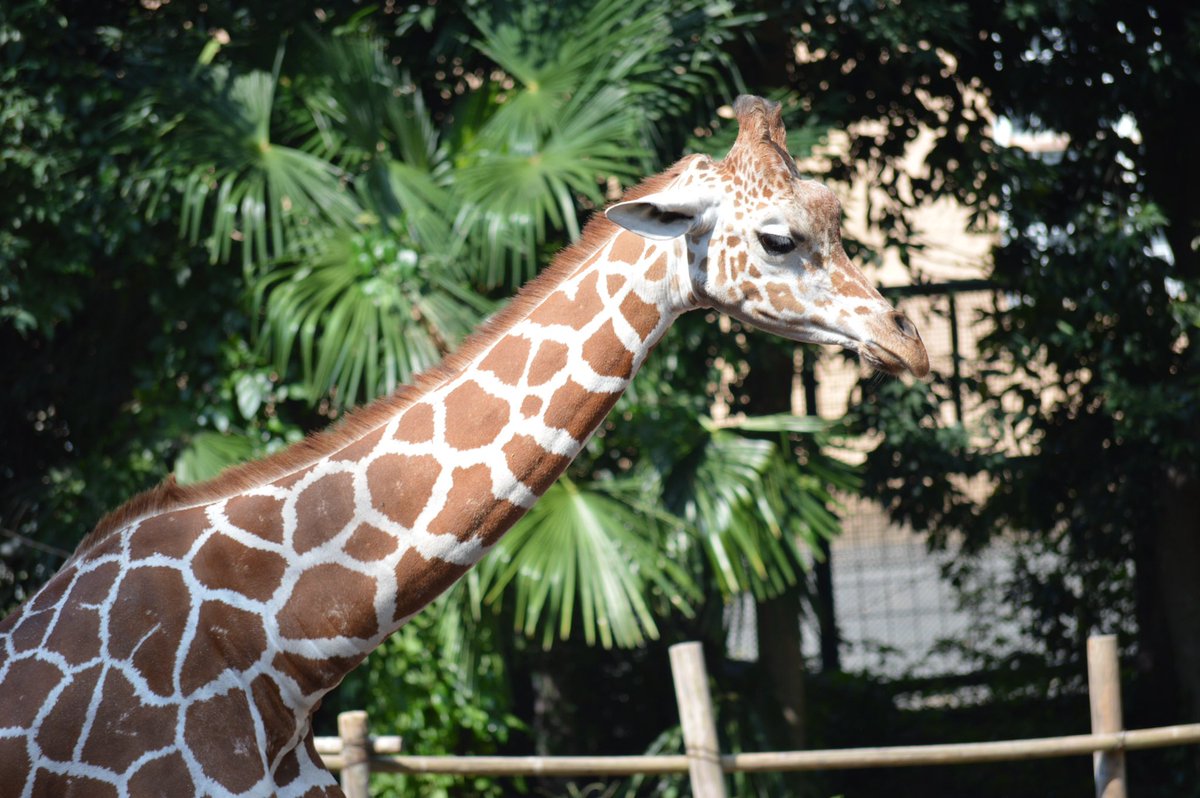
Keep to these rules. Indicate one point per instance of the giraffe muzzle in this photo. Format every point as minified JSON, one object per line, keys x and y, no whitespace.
{"x":895,"y":346}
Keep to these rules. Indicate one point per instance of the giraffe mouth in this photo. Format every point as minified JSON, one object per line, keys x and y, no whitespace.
{"x":882,"y":359}
{"x":908,"y":353}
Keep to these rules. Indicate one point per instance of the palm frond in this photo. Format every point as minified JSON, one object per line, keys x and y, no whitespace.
{"x":530,"y":184}
{"x":366,"y":313}
{"x":584,"y":555}
{"x":209,"y":453}
{"x":711,"y":488}
{"x":752,"y":507}
{"x":779,"y":422}
{"x":250,"y":187}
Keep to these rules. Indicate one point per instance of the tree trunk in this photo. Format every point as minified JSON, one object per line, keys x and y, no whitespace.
{"x":778,"y":619}
{"x":779,"y":644}
{"x":1177,"y":555}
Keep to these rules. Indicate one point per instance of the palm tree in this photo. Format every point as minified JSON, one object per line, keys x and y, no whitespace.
{"x":376,"y":226}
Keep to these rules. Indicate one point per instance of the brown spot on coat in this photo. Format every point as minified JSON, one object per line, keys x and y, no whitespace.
{"x":419,"y":581}
{"x":507,"y":359}
{"x":226,"y":564}
{"x":169,"y":535}
{"x":25,"y":687}
{"x":643,"y":317}
{"x":783,"y":299}
{"x":578,"y":410}
{"x":368,"y":544}
{"x":323,"y":510}
{"x":330,"y":600}
{"x":558,"y":308}
{"x":258,"y":515}
{"x":400,"y":485}
{"x":848,"y":286}
{"x":77,"y":635}
{"x":551,"y":359}
{"x":291,"y":479}
{"x":605,"y":353}
{"x":146,"y":621}
{"x":658,"y":269}
{"x":279,"y":722}
{"x":289,"y":767}
{"x":531,"y":406}
{"x":165,"y":777}
{"x":532,"y":465}
{"x":311,"y":675}
{"x":64,"y":725}
{"x":94,"y":586}
{"x":361,"y":448}
{"x":14,"y":762}
{"x":473,"y":417}
{"x":56,"y":785}
{"x":627,"y":247}
{"x":231,"y":757}
{"x":416,"y":425}
{"x":124,"y":728}
{"x":613,"y":283}
{"x":28,"y":629}
{"x":226,"y":637}
{"x":472,"y":509}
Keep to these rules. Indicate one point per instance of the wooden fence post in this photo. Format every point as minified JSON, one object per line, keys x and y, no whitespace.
{"x":1104,"y":695}
{"x":356,"y":751}
{"x":696,"y":718}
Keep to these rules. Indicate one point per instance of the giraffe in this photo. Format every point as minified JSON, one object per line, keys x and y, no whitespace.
{"x":182,"y":649}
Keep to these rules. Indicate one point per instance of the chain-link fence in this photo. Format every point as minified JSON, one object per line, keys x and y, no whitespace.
{"x":891,"y":602}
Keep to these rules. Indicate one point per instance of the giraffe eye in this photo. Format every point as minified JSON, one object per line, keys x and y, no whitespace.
{"x":776,"y":245}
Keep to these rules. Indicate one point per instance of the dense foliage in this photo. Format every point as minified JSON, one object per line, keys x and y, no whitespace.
{"x":1089,"y":423}
{"x":252,"y":218}
{"x":1092,"y":368}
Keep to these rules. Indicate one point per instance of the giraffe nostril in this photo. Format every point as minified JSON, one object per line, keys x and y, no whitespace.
{"x":906,"y":327}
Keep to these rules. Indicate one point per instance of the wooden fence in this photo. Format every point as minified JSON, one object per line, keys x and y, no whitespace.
{"x":356,"y":754}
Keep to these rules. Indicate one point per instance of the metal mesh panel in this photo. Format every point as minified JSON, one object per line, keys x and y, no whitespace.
{"x":892,"y":603}
{"x":891,"y":600}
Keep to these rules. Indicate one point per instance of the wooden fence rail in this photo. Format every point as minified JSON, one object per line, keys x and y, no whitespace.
{"x":359,"y":754}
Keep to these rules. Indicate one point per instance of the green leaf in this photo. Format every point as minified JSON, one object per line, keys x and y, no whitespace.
{"x":268,"y":195}
{"x":209,"y":453}
{"x":584,"y":555}
{"x":748,"y":504}
{"x":251,"y":390}
{"x":781,"y":422}
{"x":366,"y":314}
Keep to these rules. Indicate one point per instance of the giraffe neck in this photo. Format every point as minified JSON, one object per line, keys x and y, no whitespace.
{"x":336,"y":556}
{"x":242,"y":610}
{"x":421,"y":498}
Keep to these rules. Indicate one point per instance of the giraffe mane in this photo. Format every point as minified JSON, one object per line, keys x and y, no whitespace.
{"x":169,"y":495}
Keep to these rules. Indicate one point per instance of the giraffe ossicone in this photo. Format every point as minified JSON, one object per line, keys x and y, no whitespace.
{"x":184,"y":646}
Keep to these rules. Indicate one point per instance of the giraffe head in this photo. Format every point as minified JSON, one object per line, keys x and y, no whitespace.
{"x":764,"y":245}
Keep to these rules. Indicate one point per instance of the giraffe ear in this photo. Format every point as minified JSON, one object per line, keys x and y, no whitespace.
{"x":661,"y":216}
